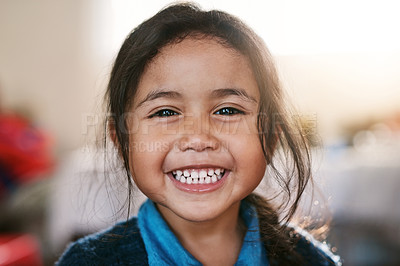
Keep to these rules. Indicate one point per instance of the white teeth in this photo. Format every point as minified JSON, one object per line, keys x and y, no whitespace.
{"x":210,"y":172}
{"x":201,"y":176}
{"x":194,"y":174}
{"x":203,"y":173}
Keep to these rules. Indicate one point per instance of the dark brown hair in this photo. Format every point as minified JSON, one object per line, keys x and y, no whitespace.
{"x":278,"y":133}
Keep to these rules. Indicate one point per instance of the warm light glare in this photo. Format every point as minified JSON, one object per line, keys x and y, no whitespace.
{"x":294,"y":27}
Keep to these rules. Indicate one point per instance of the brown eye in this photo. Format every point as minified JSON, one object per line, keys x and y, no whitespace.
{"x":164,"y":113}
{"x":228,"y":111}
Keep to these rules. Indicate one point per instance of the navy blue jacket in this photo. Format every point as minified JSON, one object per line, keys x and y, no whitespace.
{"x":123,"y":245}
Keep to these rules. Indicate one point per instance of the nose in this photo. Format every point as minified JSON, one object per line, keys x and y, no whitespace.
{"x":196,"y":135}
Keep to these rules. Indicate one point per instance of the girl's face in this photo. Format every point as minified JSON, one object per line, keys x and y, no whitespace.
{"x":194,"y":146}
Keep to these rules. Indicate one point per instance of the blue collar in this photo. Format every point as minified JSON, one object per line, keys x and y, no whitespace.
{"x":163,"y":247}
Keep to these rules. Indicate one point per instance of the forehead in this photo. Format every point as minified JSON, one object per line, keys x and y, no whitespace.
{"x":207,"y":51}
{"x":192,"y":46}
{"x":204,"y":64}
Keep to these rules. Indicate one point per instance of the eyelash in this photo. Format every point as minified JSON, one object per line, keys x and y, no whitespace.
{"x":230,"y":111}
{"x":225,"y":111}
{"x":164,"y":113}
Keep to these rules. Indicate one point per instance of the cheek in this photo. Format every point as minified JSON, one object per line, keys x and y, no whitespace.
{"x":147,"y":153}
{"x":146,"y":173}
{"x":249,"y":158}
{"x":252,"y":158}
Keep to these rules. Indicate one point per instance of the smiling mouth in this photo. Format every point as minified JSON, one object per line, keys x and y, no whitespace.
{"x":198,"y":176}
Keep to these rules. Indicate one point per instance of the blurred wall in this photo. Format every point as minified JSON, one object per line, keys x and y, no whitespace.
{"x":49,"y":66}
{"x":343,"y":89}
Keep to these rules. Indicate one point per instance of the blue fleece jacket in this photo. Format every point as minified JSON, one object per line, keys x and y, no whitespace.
{"x":123,"y":244}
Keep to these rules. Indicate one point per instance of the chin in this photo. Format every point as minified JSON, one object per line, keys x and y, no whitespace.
{"x":200,"y":211}
{"x":197,"y":217}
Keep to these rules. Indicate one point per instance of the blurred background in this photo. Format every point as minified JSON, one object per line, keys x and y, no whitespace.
{"x":339,"y":61}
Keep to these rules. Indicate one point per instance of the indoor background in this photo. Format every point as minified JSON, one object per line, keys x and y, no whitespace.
{"x":338,"y":60}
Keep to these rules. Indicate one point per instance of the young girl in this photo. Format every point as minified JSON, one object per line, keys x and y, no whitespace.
{"x":198,"y":118}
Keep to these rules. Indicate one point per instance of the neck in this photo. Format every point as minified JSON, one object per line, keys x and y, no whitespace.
{"x":226,"y":223}
{"x":222,"y":235}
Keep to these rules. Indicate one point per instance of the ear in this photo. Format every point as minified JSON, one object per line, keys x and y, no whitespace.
{"x":112,"y":131}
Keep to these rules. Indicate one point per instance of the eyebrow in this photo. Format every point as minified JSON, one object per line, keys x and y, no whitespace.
{"x":160,"y":94}
{"x":220,"y":93}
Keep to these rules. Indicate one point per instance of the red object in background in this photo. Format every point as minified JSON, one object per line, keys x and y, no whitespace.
{"x":19,"y":250}
{"x":24,"y":150}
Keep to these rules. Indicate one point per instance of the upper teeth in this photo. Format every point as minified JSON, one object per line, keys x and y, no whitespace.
{"x":199,"y":176}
